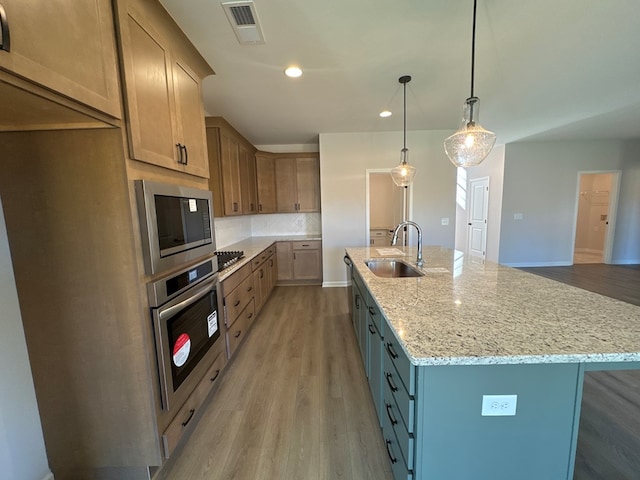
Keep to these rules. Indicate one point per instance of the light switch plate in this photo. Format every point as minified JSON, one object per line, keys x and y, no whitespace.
{"x":499,"y":405}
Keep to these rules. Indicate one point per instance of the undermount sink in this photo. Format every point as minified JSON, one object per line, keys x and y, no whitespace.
{"x":392,"y":268}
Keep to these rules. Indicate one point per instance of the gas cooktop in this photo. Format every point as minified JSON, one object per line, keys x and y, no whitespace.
{"x":226,"y":258}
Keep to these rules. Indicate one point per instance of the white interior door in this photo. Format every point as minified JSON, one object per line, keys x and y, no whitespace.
{"x":478,"y":212}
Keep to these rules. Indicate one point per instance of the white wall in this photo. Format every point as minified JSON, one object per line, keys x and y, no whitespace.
{"x":492,"y":167}
{"x":22,"y":450}
{"x":344,"y":159}
{"x":541,"y":182}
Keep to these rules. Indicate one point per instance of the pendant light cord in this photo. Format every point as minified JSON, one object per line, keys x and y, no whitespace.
{"x":473,"y":45}
{"x":404,"y":127}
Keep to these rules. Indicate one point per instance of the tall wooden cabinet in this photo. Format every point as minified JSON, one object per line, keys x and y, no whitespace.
{"x":266,"y":180}
{"x":162,"y":90}
{"x":232,"y":170}
{"x":75,"y":57}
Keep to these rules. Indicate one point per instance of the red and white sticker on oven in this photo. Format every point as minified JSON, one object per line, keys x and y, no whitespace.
{"x":181,"y":350}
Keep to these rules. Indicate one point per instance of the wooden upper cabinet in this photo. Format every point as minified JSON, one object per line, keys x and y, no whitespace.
{"x":248,"y":188}
{"x":163,"y":93}
{"x":68,"y":47}
{"x":297,"y":184}
{"x":230,"y":167}
{"x":266,"y":183}
{"x":232,"y":170}
{"x":190,"y":119}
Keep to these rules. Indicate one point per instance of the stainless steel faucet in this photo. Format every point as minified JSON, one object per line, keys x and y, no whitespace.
{"x":394,"y":239}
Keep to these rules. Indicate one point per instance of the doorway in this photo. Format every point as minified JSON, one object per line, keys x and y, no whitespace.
{"x":595,"y":217}
{"x":386,"y":206}
{"x":477,"y":221}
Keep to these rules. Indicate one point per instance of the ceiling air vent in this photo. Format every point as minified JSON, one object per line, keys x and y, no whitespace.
{"x":243,"y":18}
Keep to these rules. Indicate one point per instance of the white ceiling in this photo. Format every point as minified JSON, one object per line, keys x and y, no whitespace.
{"x":545,"y":69}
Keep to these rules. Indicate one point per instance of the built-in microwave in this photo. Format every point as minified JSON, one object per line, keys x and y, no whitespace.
{"x":176,"y":224}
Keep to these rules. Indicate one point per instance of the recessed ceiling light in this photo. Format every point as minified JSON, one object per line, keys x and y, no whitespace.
{"x":293,"y":71}
{"x":385,"y":113}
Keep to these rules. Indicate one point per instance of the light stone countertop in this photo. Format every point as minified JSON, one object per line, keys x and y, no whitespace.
{"x":462,"y":312}
{"x":253,"y":246}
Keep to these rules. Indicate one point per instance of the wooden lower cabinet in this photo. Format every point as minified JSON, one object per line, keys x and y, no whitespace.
{"x":299,"y":262}
{"x":263,"y":266}
{"x":237,"y":331}
{"x":183,"y":419}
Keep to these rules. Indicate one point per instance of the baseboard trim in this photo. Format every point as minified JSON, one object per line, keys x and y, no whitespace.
{"x":341,"y":283}
{"x":538,"y":264}
{"x":627,"y":262}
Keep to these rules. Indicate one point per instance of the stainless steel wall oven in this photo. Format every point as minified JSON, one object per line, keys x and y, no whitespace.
{"x":186,"y":323}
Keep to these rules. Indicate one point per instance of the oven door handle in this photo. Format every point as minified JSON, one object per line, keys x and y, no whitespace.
{"x":197,"y":295}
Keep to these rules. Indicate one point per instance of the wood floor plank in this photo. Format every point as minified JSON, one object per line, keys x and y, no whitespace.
{"x":293,"y":404}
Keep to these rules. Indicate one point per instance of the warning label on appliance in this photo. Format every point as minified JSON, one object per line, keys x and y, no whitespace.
{"x":181,"y":350}
{"x":212,"y":323}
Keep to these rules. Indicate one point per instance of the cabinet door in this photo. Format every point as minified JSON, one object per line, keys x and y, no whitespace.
{"x":284,"y":253}
{"x":230,"y":163}
{"x":286,"y":194}
{"x":375,"y":362}
{"x":307,"y":264}
{"x":266,"y":182}
{"x":248,"y":181}
{"x":149,"y":93}
{"x":259,"y":287}
{"x":190,"y":120}
{"x":68,"y":47}
{"x":273,"y":272}
{"x":308,"y":184}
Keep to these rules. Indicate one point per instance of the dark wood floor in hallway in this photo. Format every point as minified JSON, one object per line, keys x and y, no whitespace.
{"x":293,"y":404}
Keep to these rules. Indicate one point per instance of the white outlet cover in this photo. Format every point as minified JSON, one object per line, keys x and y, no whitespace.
{"x":499,"y":405}
{"x":444,"y":221}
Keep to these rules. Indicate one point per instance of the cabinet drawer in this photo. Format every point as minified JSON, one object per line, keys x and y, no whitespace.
{"x":237,"y":300}
{"x":400,"y":361}
{"x":259,"y":260}
{"x":394,"y":386}
{"x":178,"y":427}
{"x":405,"y":439}
{"x":307,"y":245}
{"x":235,"y":279}
{"x":399,"y":468}
{"x":236,"y":333}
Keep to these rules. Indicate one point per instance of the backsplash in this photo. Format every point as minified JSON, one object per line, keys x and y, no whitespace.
{"x":234,"y":229}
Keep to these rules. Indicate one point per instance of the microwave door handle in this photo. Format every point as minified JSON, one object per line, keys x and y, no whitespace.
{"x":168,"y":312}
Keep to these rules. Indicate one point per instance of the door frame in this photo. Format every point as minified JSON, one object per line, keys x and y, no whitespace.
{"x":485,"y":214}
{"x":611,"y":214}
{"x":408,"y":207}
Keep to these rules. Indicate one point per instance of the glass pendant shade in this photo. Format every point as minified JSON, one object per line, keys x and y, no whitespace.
{"x":404,"y":173}
{"x":471,"y":144}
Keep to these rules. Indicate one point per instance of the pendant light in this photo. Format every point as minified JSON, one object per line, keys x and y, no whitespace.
{"x":404,"y":173}
{"x":471,"y":144}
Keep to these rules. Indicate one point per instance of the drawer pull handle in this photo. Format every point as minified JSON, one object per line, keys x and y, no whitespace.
{"x":372,"y":310}
{"x":191,"y":412}
{"x":372,"y":330}
{"x":238,"y":333}
{"x":392,"y":419}
{"x":392,"y":351}
{"x":250,"y":316}
{"x":249,"y":289}
{"x":213,"y":379}
{"x":357,"y":301}
{"x":391,"y":456}
{"x":237,"y":303}
{"x":390,"y":382}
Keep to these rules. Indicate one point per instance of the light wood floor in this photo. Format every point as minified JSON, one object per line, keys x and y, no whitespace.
{"x":609,"y":434}
{"x":293,"y":404}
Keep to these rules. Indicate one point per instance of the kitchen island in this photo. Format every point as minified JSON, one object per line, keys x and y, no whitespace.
{"x":438,"y":344}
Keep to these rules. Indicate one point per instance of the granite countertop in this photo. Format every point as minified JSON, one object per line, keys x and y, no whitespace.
{"x":463,"y":312}
{"x":253,"y":246}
